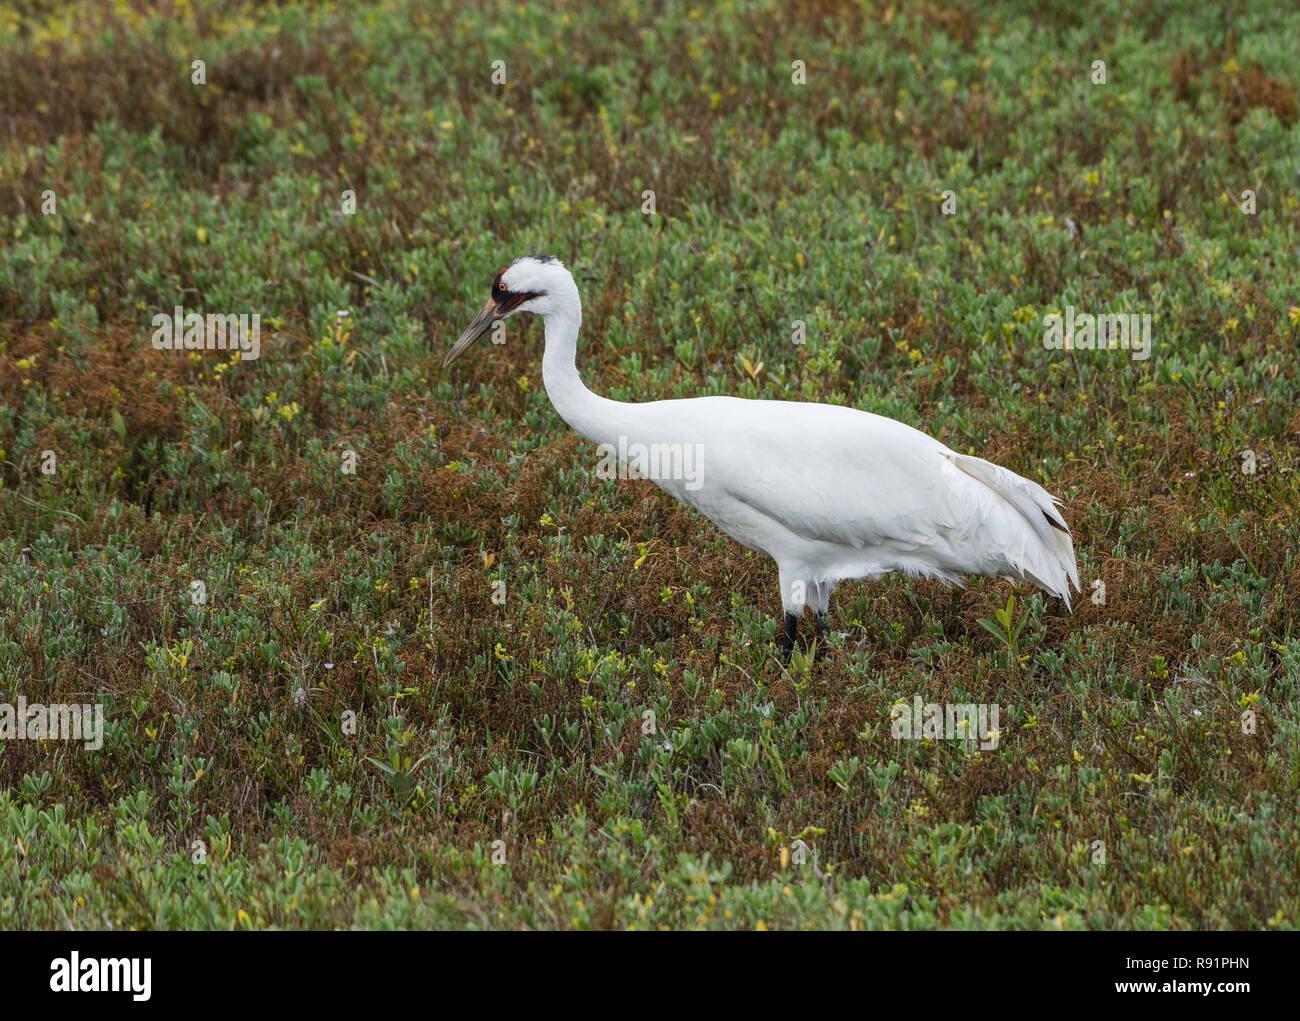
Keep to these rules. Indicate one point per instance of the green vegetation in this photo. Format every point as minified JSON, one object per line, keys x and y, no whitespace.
{"x":233,"y":790}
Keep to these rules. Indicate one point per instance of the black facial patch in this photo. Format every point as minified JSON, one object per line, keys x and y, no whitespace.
{"x":513,"y":300}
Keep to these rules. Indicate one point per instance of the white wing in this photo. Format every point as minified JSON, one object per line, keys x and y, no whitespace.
{"x":856,"y":493}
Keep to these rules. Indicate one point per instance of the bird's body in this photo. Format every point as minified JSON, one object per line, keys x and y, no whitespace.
{"x":828,"y":492}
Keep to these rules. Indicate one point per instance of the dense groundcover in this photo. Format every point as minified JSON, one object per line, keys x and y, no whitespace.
{"x":278,"y":577}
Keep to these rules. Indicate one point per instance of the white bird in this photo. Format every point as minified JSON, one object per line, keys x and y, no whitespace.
{"x":828,"y":492}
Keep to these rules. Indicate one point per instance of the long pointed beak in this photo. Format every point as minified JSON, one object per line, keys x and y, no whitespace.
{"x":481,"y":324}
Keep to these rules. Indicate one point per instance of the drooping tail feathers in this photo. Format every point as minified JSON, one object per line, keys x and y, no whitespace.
{"x":1055,"y":571}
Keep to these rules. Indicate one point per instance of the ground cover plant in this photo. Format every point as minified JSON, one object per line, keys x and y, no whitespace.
{"x":375,"y":646}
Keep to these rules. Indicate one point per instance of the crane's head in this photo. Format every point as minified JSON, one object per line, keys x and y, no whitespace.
{"x":532,"y":283}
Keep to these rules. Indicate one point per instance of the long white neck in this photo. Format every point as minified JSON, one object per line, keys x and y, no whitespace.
{"x":595,"y":418}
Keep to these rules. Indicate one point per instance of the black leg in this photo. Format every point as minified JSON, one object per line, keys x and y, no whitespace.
{"x":823,"y":625}
{"x":787,"y":636}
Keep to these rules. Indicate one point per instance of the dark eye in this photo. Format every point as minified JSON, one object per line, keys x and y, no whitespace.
{"x":501,"y":287}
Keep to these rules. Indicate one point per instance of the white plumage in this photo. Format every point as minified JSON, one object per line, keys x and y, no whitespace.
{"x":828,"y":492}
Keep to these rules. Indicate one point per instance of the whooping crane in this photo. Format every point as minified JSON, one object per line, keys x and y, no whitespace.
{"x":828,"y":492}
